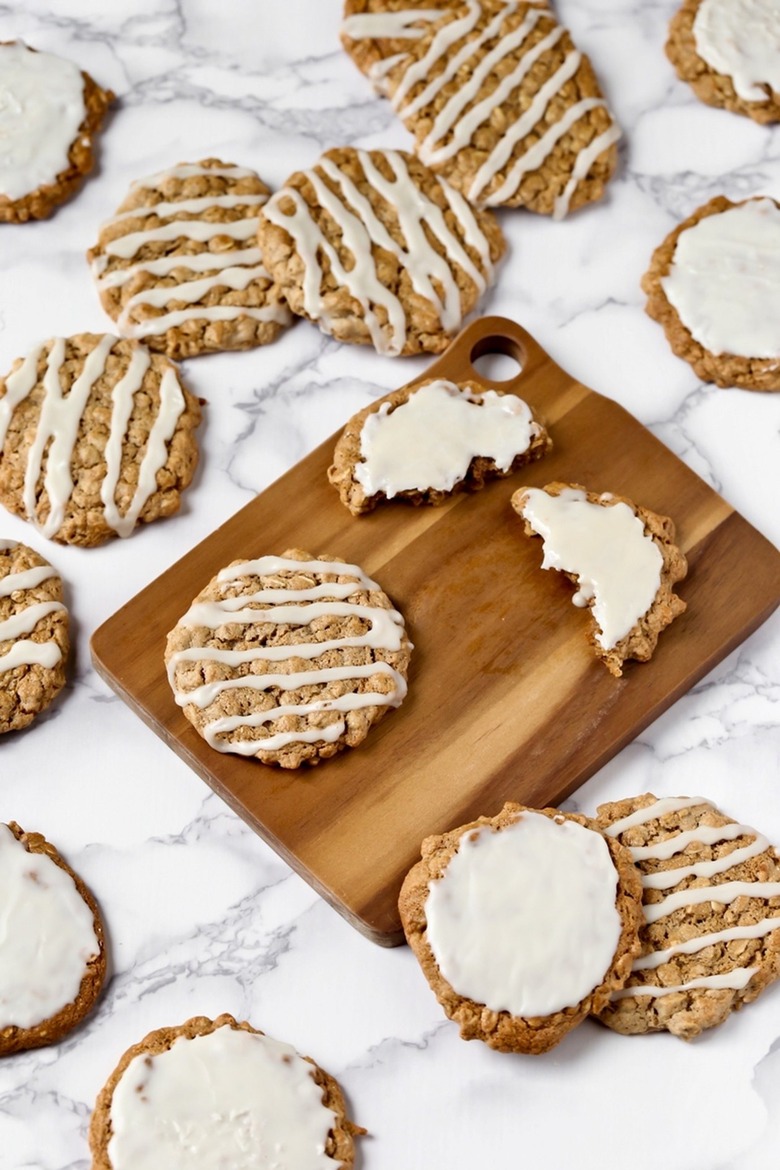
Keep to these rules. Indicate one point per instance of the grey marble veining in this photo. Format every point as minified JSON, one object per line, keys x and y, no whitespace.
{"x":202,"y":916}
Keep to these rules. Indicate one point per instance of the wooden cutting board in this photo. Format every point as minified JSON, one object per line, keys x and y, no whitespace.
{"x":506,"y":700}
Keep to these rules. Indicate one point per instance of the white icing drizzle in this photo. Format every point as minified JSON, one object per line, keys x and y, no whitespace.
{"x":617,"y":566}
{"x":361,"y":228}
{"x":25,"y":621}
{"x":58,"y":425}
{"x":233,"y":269}
{"x":724,"y":280}
{"x":48,"y":936}
{"x":385,"y":633}
{"x":524,"y":919}
{"x":430,"y":440}
{"x":27,"y":579}
{"x":719,"y":893}
{"x":464,"y":112}
{"x":41,"y":110}
{"x":229,"y":1098}
{"x":397,"y":25}
{"x":741,"y":40}
{"x":8,"y":545}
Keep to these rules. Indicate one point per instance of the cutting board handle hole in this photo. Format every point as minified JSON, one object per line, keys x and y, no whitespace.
{"x":497,"y":359}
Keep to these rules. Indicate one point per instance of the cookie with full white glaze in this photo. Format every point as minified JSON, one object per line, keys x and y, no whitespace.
{"x":49,"y":116}
{"x":34,"y":638}
{"x":523,"y":923}
{"x":729,"y":54}
{"x":179,"y":267}
{"x":288,"y":659}
{"x":97,"y":436}
{"x":377,"y":250}
{"x":220,"y":1093}
{"x":425,"y":441}
{"x":711,"y":931}
{"x":52,"y":944}
{"x":621,"y":557}
{"x":714,"y":286}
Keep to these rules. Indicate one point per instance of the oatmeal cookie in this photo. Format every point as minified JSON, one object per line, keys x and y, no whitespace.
{"x":714,"y":286}
{"x":225,"y":1088}
{"x":523,"y":923}
{"x":33,"y":635}
{"x":729,"y":54}
{"x":376,"y":249}
{"x":50,"y":114}
{"x":51,"y":941}
{"x":179,"y":265}
{"x":711,"y":932}
{"x":503,"y":105}
{"x":288,"y":659}
{"x":424,"y":442}
{"x":97,"y":435}
{"x":621,"y":557}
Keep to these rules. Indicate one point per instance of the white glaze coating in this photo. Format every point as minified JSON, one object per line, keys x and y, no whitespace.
{"x":618,"y":567}
{"x":741,"y":40}
{"x":397,"y":25}
{"x":228,"y":1099}
{"x":430,"y":440}
{"x":524,"y":919}
{"x":385,"y":633}
{"x":722,"y":893}
{"x":724,"y":280}
{"x":26,"y":579}
{"x":41,"y":109}
{"x":60,"y":415}
{"x":362,"y":229}
{"x":47,"y":936}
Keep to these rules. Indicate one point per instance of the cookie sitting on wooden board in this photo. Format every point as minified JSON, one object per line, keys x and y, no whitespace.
{"x":523,"y":923}
{"x":97,"y":436}
{"x":179,"y":266}
{"x":52,"y":945}
{"x":423,"y":442}
{"x":503,"y":104}
{"x":34,"y":640}
{"x":729,"y":53}
{"x":714,"y":286}
{"x":288,"y":659}
{"x":219,"y":1093}
{"x":622,"y":558}
{"x":711,"y":932}
{"x":49,"y":116}
{"x":377,"y":250}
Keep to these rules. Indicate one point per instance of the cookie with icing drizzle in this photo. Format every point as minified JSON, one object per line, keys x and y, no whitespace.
{"x":179,"y":265}
{"x":714,"y":286}
{"x":621,"y":557}
{"x":423,"y":442}
{"x":288,"y":659}
{"x":34,"y":640}
{"x":377,"y":250}
{"x":50,"y":114}
{"x":52,"y":944}
{"x":729,"y":54}
{"x":522,"y":924}
{"x":97,"y":436}
{"x":711,"y":932}
{"x":220,"y":1093}
{"x":503,"y":104}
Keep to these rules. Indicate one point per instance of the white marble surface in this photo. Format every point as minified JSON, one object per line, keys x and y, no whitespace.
{"x":203,"y":917}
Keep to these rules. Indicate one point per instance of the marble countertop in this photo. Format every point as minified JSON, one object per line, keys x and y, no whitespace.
{"x":203,"y":917}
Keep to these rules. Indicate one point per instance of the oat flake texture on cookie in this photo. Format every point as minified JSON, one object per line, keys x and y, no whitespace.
{"x":377,"y":249}
{"x":49,"y":116}
{"x":97,"y":436}
{"x":34,"y":638}
{"x":711,"y":933}
{"x":179,"y":265}
{"x":217,"y":1094}
{"x":288,"y":659}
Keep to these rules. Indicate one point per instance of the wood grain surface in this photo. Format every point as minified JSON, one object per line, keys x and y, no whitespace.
{"x":506,"y":700}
